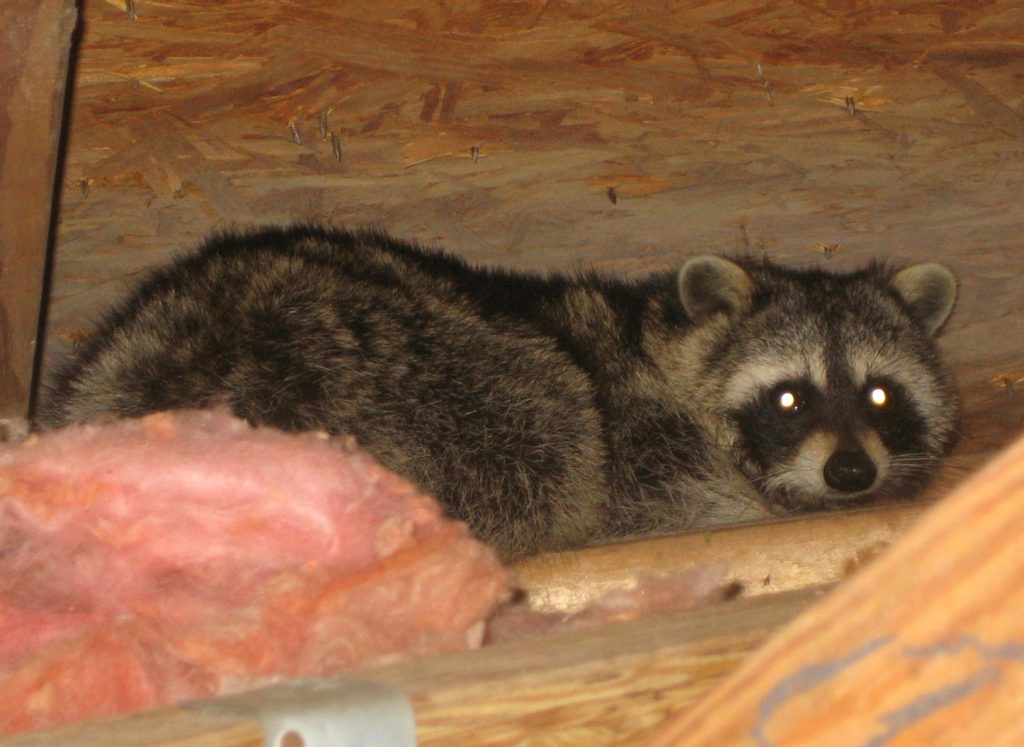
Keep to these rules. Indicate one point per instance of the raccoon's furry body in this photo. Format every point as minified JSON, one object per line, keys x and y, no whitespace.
{"x":547,"y":412}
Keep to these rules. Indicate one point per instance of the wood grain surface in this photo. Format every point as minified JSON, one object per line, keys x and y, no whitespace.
{"x":34,"y":48}
{"x":759,"y":559}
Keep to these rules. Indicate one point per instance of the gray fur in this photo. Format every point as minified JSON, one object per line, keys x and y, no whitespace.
{"x":547,"y":412}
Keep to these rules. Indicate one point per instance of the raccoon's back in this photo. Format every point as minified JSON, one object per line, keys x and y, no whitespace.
{"x":298,"y":328}
{"x":355,"y":334}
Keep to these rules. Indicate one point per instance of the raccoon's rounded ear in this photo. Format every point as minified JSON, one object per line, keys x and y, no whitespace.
{"x":929,"y":290}
{"x":709,"y":285}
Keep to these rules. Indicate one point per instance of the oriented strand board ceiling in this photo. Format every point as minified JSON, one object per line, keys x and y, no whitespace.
{"x":542,"y":134}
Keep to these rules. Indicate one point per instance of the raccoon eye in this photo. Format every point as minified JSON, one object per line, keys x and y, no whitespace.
{"x":879,"y":397}
{"x":789,"y":398}
{"x":786,"y":400}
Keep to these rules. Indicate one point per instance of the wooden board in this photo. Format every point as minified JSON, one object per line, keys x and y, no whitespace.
{"x":759,"y":559}
{"x":540,"y":134}
{"x":33,"y":72}
{"x":926,"y":646}
{"x":609,"y":685}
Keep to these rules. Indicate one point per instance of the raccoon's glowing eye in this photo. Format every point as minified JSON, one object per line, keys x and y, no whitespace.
{"x":790,"y":398}
{"x":788,"y":401}
{"x":878,"y":397}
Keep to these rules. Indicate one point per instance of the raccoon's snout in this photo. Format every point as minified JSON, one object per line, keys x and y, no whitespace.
{"x":850,"y":471}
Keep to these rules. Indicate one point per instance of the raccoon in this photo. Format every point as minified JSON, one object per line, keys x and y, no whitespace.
{"x":547,"y":411}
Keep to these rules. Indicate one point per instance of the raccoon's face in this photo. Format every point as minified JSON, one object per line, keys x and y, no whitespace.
{"x":827,"y":388}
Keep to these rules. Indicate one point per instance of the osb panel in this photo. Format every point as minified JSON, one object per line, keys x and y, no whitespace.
{"x":541,"y":134}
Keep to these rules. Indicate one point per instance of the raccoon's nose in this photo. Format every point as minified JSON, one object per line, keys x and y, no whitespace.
{"x":850,"y":471}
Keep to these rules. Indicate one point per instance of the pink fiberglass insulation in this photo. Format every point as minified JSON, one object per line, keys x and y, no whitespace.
{"x":185,"y":555}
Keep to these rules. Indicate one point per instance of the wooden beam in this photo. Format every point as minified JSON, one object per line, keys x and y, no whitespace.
{"x":33,"y":72}
{"x":925,"y":647}
{"x":611,"y":684}
{"x":766,"y":558}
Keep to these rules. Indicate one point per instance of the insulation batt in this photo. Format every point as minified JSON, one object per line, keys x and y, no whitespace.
{"x":186,"y":555}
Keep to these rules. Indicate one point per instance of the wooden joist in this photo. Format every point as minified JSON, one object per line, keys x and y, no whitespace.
{"x":33,"y":71}
{"x":767,"y":558}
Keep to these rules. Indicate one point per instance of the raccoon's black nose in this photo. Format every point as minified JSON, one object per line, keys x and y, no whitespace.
{"x":850,"y":471}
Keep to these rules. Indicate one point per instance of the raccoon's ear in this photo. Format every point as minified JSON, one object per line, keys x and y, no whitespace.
{"x":708,"y":285}
{"x":929,"y":290}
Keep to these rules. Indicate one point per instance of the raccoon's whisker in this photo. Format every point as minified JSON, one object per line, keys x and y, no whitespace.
{"x":913,"y":455}
{"x":789,"y":470}
{"x":910,"y":467}
{"x":913,"y":462}
{"x":781,"y":471}
{"x":912,"y":459}
{"x":769,"y":476}
{"x":910,"y":464}
{"x":908,"y":471}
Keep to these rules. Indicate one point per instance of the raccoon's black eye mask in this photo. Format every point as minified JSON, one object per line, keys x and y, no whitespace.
{"x":889,"y":410}
{"x":788,"y":400}
{"x":775,"y":422}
